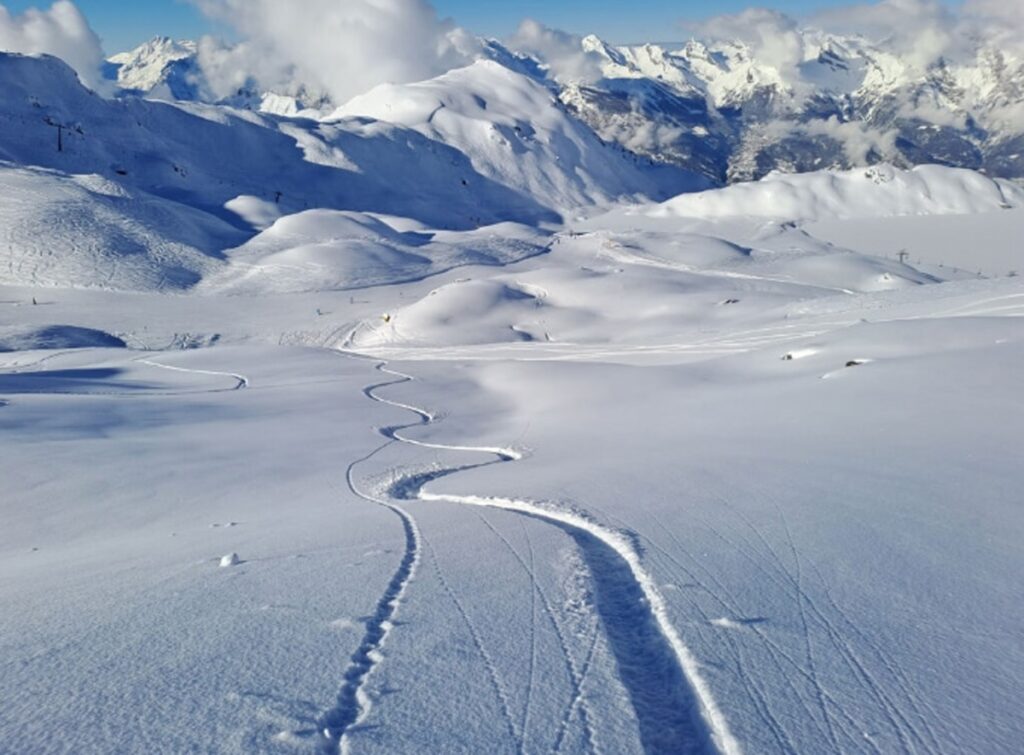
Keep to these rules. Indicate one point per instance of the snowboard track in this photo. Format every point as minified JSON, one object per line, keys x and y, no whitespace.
{"x":674,"y":708}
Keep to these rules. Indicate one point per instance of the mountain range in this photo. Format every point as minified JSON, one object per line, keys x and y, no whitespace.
{"x":719,"y":109}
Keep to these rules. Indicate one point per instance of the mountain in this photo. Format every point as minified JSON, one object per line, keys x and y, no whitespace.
{"x":516,"y":133}
{"x":209,"y":155}
{"x":160,"y":67}
{"x":876,"y":192}
{"x":719,"y":109}
{"x":167,"y":69}
{"x":153,"y":194}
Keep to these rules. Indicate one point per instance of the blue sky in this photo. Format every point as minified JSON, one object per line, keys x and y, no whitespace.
{"x":125,"y":23}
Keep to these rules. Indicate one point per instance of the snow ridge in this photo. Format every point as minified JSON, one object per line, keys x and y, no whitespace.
{"x":689,"y":720}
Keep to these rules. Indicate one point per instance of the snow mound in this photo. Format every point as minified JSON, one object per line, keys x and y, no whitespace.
{"x":87,"y":231}
{"x":632,"y":287}
{"x":880,"y":191}
{"x":516,"y":133}
{"x":322,"y":250}
{"x":462,"y":313}
{"x":850,"y":272}
{"x":20,"y":338}
{"x":259,"y":213}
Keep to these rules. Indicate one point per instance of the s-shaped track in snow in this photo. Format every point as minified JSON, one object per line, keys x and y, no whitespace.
{"x":673,"y":704}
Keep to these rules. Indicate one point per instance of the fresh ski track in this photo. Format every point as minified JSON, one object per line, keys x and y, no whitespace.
{"x":242,"y":380}
{"x":352,"y":704}
{"x":628,"y":600}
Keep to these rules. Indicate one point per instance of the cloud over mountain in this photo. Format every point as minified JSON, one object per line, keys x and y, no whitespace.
{"x":61,"y":31}
{"x":343,"y":49}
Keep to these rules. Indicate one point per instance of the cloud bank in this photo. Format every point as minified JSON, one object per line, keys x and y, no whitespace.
{"x":61,"y":31}
{"x":919,"y":32}
{"x":773,"y":37}
{"x":562,"y":52}
{"x":339,"y":48}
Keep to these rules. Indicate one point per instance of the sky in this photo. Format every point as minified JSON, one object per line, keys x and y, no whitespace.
{"x":123,"y":24}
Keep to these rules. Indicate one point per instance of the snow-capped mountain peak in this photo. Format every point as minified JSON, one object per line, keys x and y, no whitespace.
{"x":147,"y":66}
{"x":724,"y":108}
{"x":734,"y":112}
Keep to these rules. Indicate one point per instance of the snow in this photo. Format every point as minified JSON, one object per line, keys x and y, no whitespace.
{"x":985,"y":243}
{"x":880,"y":191}
{"x":759,"y":91}
{"x":55,"y":337}
{"x":307,"y":445}
{"x":144,"y":68}
{"x":322,"y":250}
{"x":515,"y":133}
{"x":89,"y":231}
{"x":259,"y":213}
{"x":202,"y":156}
{"x":799,"y":507}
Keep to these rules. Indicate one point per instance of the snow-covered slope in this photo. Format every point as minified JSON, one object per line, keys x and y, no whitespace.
{"x":659,"y":486}
{"x":879,"y":191}
{"x":206,"y":156}
{"x":288,"y":406}
{"x":86,"y":231}
{"x":515,"y":133}
{"x":524,"y":160}
{"x":619,"y":290}
{"x":167,"y":69}
{"x":324,"y":250}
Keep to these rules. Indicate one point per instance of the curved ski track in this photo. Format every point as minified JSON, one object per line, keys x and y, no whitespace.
{"x":673,"y":704}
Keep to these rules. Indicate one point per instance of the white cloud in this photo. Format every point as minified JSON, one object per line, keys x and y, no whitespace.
{"x":919,"y":31}
{"x":1000,"y":20}
{"x":858,"y":139}
{"x":772,"y":37}
{"x":61,"y":31}
{"x":341,"y":48}
{"x":562,"y":52}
